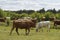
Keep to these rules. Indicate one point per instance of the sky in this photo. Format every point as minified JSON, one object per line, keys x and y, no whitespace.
{"x":29,"y":4}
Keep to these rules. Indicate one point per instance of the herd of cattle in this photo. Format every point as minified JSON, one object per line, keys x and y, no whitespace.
{"x":27,"y":22}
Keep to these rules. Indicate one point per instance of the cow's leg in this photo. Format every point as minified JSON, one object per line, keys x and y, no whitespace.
{"x":48,"y":28}
{"x":17,"y":31}
{"x":37,"y":27}
{"x":36,"y":30}
{"x":55,"y":26}
{"x":28,"y":31}
{"x":42,"y":28}
{"x":11,"y":30}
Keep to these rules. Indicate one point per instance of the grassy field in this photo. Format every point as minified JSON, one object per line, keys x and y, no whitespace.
{"x":52,"y":35}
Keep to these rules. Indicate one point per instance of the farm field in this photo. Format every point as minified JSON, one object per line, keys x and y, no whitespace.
{"x":52,"y":35}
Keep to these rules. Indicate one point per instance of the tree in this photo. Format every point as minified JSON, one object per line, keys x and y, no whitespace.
{"x":49,"y":10}
{"x":54,"y":11}
{"x":30,"y":11}
{"x":58,"y":11}
{"x":41,"y":10}
{"x":19,"y":12}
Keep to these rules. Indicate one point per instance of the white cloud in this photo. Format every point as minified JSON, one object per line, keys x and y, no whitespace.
{"x":29,"y":4}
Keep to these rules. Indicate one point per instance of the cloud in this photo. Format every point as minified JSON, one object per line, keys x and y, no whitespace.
{"x":29,"y":4}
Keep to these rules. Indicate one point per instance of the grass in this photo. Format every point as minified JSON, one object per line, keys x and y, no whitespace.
{"x":52,"y":35}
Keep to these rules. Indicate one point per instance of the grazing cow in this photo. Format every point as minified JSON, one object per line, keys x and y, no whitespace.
{"x":2,"y":19}
{"x":56,"y":22}
{"x":43,"y":24}
{"x":7,"y":21}
{"x":23,"y":24}
{"x":52,"y":18}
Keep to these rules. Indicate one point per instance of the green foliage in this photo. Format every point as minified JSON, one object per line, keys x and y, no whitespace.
{"x":57,"y":16}
{"x":1,"y":13}
{"x":23,"y":15}
{"x":14,"y":15}
{"x":47,"y":14}
{"x":32,"y":15}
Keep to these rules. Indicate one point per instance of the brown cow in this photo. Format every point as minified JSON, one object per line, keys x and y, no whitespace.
{"x":2,"y":19}
{"x":56,"y":22}
{"x":51,"y":18}
{"x":23,"y":24}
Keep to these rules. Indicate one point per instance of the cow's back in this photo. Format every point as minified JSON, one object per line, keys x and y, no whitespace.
{"x":22,"y":24}
{"x":57,"y":22}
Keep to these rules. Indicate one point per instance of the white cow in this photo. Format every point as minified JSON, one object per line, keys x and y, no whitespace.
{"x":7,"y":21}
{"x":43,"y":24}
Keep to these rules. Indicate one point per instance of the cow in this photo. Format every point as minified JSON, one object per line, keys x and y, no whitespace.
{"x":48,"y":19}
{"x":7,"y":21}
{"x":2,"y":19}
{"x":56,"y":22}
{"x":52,"y":18}
{"x":43,"y":24}
{"x":23,"y":24}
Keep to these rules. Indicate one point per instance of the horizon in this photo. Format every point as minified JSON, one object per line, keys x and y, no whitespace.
{"x":14,"y":5}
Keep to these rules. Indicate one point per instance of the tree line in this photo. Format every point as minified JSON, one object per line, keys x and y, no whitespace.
{"x":38,"y":11}
{"x":31,"y":13}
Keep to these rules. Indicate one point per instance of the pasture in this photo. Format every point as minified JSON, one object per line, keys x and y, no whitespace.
{"x":5,"y":30}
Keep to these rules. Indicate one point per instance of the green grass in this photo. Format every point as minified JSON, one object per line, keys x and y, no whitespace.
{"x":52,"y":35}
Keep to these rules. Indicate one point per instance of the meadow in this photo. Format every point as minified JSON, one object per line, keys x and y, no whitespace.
{"x":54,"y":34}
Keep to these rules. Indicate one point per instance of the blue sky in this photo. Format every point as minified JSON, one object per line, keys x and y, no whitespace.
{"x":29,"y":4}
